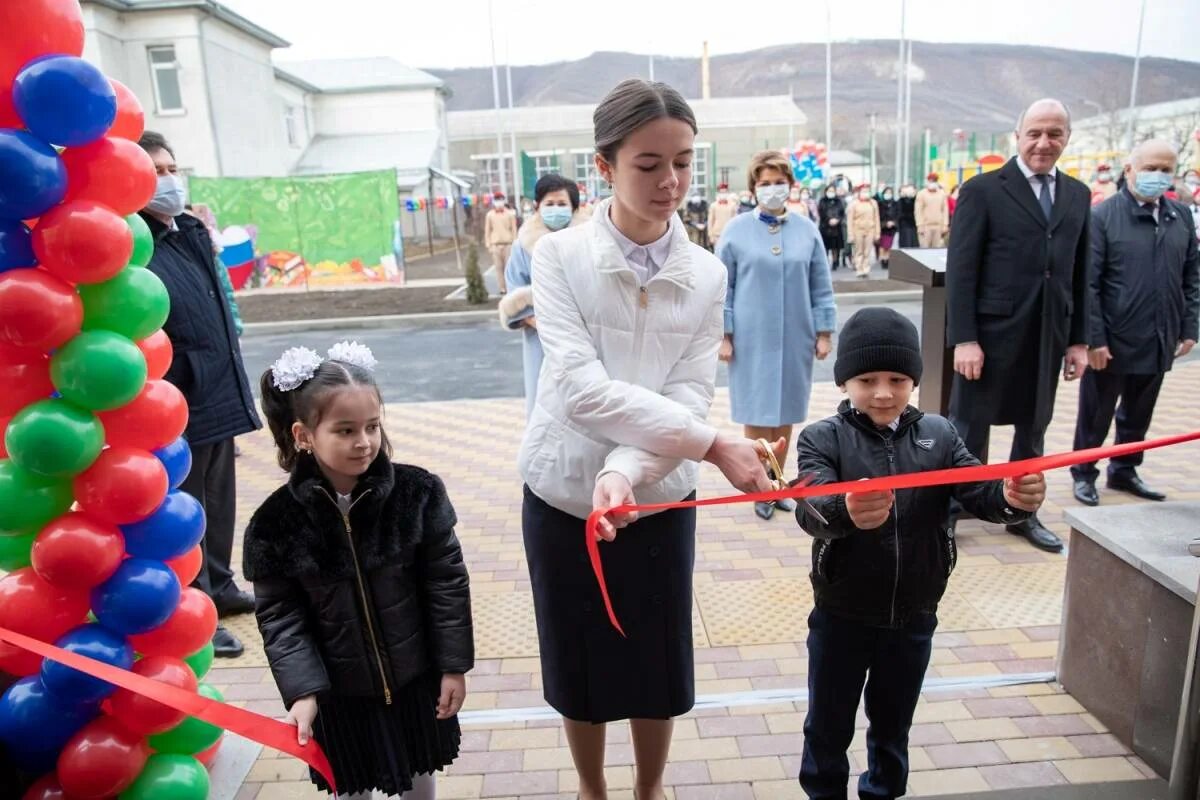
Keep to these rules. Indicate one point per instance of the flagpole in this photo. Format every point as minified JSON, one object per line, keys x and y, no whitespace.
{"x":496,"y":97}
{"x":900,"y":96}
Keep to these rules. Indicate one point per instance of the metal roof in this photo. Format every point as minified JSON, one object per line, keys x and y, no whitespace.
{"x":716,"y":112}
{"x":360,"y":74}
{"x":223,"y":13}
{"x":411,"y":154}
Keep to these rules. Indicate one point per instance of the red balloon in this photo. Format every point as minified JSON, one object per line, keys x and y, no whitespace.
{"x":101,"y":760}
{"x":207,"y":757}
{"x":31,"y":606}
{"x":131,"y":119}
{"x":187,"y":629}
{"x":48,"y":788}
{"x":9,"y":118}
{"x":25,"y":376}
{"x":33,"y":28}
{"x":76,"y":551}
{"x":38,"y":310}
{"x":158,"y":352}
{"x":124,"y":485}
{"x":82,"y":242}
{"x":153,"y":419}
{"x":112,"y":172}
{"x":3,"y":430}
{"x":142,"y":715}
{"x":187,"y":567}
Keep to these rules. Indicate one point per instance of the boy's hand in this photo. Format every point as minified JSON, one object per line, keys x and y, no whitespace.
{"x":1026,"y":492}
{"x":869,"y":510}
{"x":454,"y":692}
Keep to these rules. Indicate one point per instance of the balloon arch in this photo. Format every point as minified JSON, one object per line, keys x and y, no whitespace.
{"x":98,"y":542}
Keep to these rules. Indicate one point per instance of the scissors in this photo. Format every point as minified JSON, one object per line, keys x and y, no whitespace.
{"x":772,"y":464}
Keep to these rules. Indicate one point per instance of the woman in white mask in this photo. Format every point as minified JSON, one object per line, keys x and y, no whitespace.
{"x":557,"y":202}
{"x":779,"y":309}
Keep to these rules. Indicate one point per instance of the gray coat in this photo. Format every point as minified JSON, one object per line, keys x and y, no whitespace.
{"x":1017,"y":285}
{"x":1145,"y":283}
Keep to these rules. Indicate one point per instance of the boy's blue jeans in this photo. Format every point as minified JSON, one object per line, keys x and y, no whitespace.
{"x":842,"y":655}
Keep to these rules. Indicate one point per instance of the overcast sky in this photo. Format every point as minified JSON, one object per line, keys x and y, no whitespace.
{"x":454,"y":33}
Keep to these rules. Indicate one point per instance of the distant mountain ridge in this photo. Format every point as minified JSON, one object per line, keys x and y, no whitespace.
{"x":976,"y":87}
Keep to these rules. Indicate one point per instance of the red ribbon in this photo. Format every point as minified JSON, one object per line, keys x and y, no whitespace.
{"x":911,"y":480}
{"x":263,"y":730}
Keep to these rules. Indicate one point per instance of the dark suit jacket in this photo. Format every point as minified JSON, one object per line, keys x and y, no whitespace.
{"x":1145,"y":283}
{"x":1017,"y":285}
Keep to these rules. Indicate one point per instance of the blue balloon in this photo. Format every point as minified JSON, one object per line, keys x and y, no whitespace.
{"x":64,"y":100}
{"x":173,"y":529}
{"x":139,"y":596}
{"x":91,"y":640}
{"x":34,"y":723}
{"x":16,"y":245}
{"x":177,"y":458}
{"x":33,"y":179}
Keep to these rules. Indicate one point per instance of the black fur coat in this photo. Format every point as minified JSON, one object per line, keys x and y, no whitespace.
{"x":359,"y":605}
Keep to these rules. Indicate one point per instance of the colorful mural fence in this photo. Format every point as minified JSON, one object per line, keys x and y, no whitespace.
{"x":309,"y":231}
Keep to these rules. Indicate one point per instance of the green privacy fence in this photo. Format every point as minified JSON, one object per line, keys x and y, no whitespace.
{"x":324,"y":229}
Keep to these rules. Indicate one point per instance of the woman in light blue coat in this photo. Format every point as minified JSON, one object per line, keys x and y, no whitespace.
{"x":557,"y":207}
{"x":779,"y":309}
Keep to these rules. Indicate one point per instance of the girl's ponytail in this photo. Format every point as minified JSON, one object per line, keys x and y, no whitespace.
{"x":277,"y":405}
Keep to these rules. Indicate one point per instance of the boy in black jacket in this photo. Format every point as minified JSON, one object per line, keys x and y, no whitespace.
{"x":880,"y":560}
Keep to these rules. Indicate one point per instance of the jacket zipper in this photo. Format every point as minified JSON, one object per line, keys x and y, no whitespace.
{"x":889,"y":443}
{"x":640,"y":324}
{"x":362,"y":590}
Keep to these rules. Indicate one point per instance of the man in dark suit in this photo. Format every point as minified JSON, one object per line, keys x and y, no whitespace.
{"x":1017,"y":293}
{"x":1145,"y":313}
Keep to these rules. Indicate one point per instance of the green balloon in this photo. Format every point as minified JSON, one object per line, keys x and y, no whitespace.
{"x":192,"y":735}
{"x":143,"y":241}
{"x":54,"y":438}
{"x":28,"y":500}
{"x":201,"y":661}
{"x":167,"y":775}
{"x":99,"y":370}
{"x":14,"y":551}
{"x":134,"y":304}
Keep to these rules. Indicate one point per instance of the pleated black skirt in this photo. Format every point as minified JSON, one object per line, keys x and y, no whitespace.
{"x":373,"y":746}
{"x":589,"y":672}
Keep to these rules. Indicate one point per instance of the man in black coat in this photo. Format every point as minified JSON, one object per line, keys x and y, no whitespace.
{"x":1017,"y":298}
{"x":1145,"y":313}
{"x":208,"y":369}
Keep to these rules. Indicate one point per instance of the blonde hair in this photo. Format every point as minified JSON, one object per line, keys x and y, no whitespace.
{"x":768,"y":159}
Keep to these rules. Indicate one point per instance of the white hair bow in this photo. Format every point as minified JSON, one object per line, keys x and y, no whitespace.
{"x":298,"y":364}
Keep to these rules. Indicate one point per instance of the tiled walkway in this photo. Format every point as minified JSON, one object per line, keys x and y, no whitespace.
{"x":999,"y":618}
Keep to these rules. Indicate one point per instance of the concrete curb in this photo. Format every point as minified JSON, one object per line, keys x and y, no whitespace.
{"x":466,"y":317}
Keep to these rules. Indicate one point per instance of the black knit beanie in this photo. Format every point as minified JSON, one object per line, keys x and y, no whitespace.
{"x":877,"y":340}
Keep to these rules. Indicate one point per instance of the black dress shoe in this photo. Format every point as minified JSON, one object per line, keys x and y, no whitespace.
{"x":786,"y":505}
{"x":1085,"y":492}
{"x":1038,"y":535}
{"x":764,"y":510}
{"x":1136,"y":487}
{"x":234,"y":603}
{"x":225,"y":644}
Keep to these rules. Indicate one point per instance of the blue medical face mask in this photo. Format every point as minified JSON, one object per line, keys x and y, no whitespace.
{"x":1152,"y":184}
{"x":555,"y":217}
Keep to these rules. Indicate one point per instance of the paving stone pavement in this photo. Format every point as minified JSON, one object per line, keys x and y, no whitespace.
{"x":1000,"y":617}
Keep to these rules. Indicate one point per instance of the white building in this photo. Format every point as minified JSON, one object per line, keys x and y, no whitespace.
{"x":207,"y":81}
{"x":1103,"y":136}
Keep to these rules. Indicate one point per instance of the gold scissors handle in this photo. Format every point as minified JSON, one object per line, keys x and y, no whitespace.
{"x":772,"y":463}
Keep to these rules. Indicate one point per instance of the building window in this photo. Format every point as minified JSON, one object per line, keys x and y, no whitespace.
{"x":544,"y":165}
{"x":701,"y":169}
{"x":294,"y":120}
{"x":164,"y":72}
{"x":487,"y":173}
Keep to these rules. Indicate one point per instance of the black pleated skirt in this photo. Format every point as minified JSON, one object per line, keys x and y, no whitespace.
{"x":589,"y":672}
{"x":374,"y":746}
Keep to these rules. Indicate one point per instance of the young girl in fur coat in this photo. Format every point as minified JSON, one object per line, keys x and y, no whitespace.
{"x":360,"y":588}
{"x":557,"y":208}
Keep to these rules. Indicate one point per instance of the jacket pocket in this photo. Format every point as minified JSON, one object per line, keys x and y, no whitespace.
{"x":823,"y":560}
{"x":996,"y":306}
{"x":950,"y":550}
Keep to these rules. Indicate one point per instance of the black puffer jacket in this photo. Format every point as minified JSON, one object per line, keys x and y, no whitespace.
{"x":359,"y":606}
{"x":883,"y":576}
{"x":208,"y":359}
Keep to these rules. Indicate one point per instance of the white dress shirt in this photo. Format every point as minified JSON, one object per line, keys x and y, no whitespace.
{"x":644,"y":259}
{"x":1036,"y":184}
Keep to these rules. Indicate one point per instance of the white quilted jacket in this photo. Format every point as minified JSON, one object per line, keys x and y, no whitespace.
{"x":629,"y":371}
